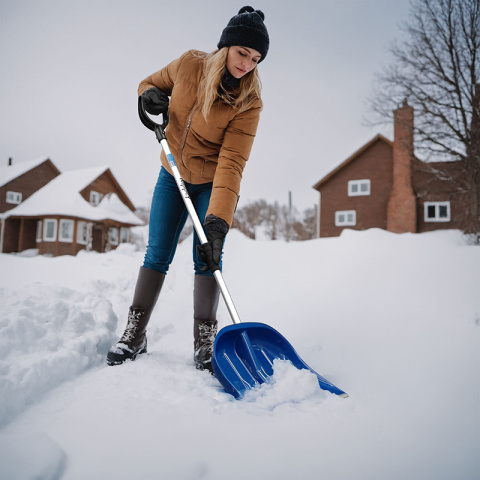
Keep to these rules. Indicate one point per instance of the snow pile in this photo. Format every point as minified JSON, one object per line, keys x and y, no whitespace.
{"x":288,"y":385}
{"x":47,"y":336}
{"x":394,"y":320}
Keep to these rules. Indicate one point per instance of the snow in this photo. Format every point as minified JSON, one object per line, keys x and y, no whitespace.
{"x":392,"y":319}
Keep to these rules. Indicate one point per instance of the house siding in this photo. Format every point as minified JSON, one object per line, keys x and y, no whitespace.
{"x":20,"y":235}
{"x":11,"y":235}
{"x":374,"y":164}
{"x":28,"y":183}
{"x":440,"y":182}
{"x":28,"y":229}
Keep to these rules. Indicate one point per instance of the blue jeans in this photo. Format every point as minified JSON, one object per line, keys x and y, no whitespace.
{"x":167,"y":219}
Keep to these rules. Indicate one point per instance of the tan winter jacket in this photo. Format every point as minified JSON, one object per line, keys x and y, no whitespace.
{"x":213,"y":151}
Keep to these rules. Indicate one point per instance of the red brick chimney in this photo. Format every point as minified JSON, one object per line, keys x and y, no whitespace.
{"x":402,"y":204}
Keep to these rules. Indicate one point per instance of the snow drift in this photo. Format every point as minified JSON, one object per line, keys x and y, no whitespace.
{"x":392,"y":319}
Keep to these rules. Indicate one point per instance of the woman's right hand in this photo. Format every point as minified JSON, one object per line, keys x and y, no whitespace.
{"x":156,"y":101}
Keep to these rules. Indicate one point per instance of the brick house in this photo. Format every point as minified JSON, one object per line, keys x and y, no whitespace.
{"x":82,"y":209}
{"x":383,"y":185}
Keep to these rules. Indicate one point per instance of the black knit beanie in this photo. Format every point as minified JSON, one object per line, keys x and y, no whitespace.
{"x":246,"y":30}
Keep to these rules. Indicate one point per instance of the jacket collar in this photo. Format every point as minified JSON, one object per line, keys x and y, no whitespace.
{"x":229,"y":82}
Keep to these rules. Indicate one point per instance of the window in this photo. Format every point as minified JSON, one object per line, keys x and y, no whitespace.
{"x":347,"y":218}
{"x":95,"y":198}
{"x":357,"y":188}
{"x":124,"y":234}
{"x":437,"y":211}
{"x":38,"y":236}
{"x":66,"y":231}
{"x":82,"y":233}
{"x":113,"y":236}
{"x":14,"y":197}
{"x":50,"y":230}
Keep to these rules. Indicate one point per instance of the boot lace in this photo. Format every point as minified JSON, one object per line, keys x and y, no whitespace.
{"x":207,"y":336}
{"x":132,"y":325}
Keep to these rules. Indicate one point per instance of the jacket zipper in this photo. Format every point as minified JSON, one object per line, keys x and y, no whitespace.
{"x":184,"y":139}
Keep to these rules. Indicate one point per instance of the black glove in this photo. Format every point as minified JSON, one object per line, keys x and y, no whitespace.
{"x":156,"y":101}
{"x":211,"y":252}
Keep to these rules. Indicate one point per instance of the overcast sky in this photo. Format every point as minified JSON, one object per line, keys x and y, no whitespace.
{"x":69,"y":72}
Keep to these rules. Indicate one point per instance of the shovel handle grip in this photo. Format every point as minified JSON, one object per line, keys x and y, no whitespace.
{"x":148,"y":122}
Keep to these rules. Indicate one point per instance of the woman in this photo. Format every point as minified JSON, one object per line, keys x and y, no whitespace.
{"x":214,"y":109}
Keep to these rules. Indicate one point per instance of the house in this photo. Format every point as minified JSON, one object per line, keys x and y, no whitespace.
{"x":383,"y":185}
{"x":77,"y":210}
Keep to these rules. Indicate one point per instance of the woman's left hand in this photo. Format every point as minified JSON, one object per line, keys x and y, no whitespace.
{"x":211,"y":252}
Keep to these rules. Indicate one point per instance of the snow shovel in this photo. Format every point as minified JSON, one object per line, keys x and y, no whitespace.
{"x":243,"y":353}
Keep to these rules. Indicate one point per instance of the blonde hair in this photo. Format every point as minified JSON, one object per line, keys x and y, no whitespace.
{"x":210,"y":88}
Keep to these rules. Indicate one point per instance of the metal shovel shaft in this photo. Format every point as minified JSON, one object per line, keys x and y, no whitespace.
{"x":199,"y":228}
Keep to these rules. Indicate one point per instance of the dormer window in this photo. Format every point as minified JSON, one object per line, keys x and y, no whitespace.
{"x":14,"y":197}
{"x":95,"y":198}
{"x":357,"y":188}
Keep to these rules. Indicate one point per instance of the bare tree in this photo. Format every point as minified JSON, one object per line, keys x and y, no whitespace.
{"x":437,"y":68}
{"x":260,"y":215}
{"x":274,"y":221}
{"x":310,"y":223}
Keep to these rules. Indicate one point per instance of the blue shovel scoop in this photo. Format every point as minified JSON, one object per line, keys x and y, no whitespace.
{"x":243,"y":353}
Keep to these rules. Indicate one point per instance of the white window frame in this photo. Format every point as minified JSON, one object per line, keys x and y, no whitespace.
{"x":113,"y":236}
{"x":82,"y":233}
{"x":46,"y":223}
{"x":38,"y":235}
{"x":95,"y":198}
{"x":69,"y":225}
{"x":14,"y":198}
{"x":124,"y":234}
{"x":437,"y":217}
{"x":355,"y":187}
{"x":339,"y":222}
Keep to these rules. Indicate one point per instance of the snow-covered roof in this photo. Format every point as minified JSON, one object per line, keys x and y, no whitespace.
{"x":10,"y":172}
{"x":77,"y":180}
{"x":62,"y":197}
{"x":115,"y":209}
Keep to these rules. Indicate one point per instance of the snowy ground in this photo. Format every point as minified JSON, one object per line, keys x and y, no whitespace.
{"x":392,"y":319}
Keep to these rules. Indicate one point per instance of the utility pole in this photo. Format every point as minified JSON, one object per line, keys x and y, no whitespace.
{"x":289,"y":219}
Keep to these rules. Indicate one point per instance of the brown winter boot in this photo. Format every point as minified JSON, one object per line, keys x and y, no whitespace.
{"x":205,"y":303}
{"x":134,"y":340}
